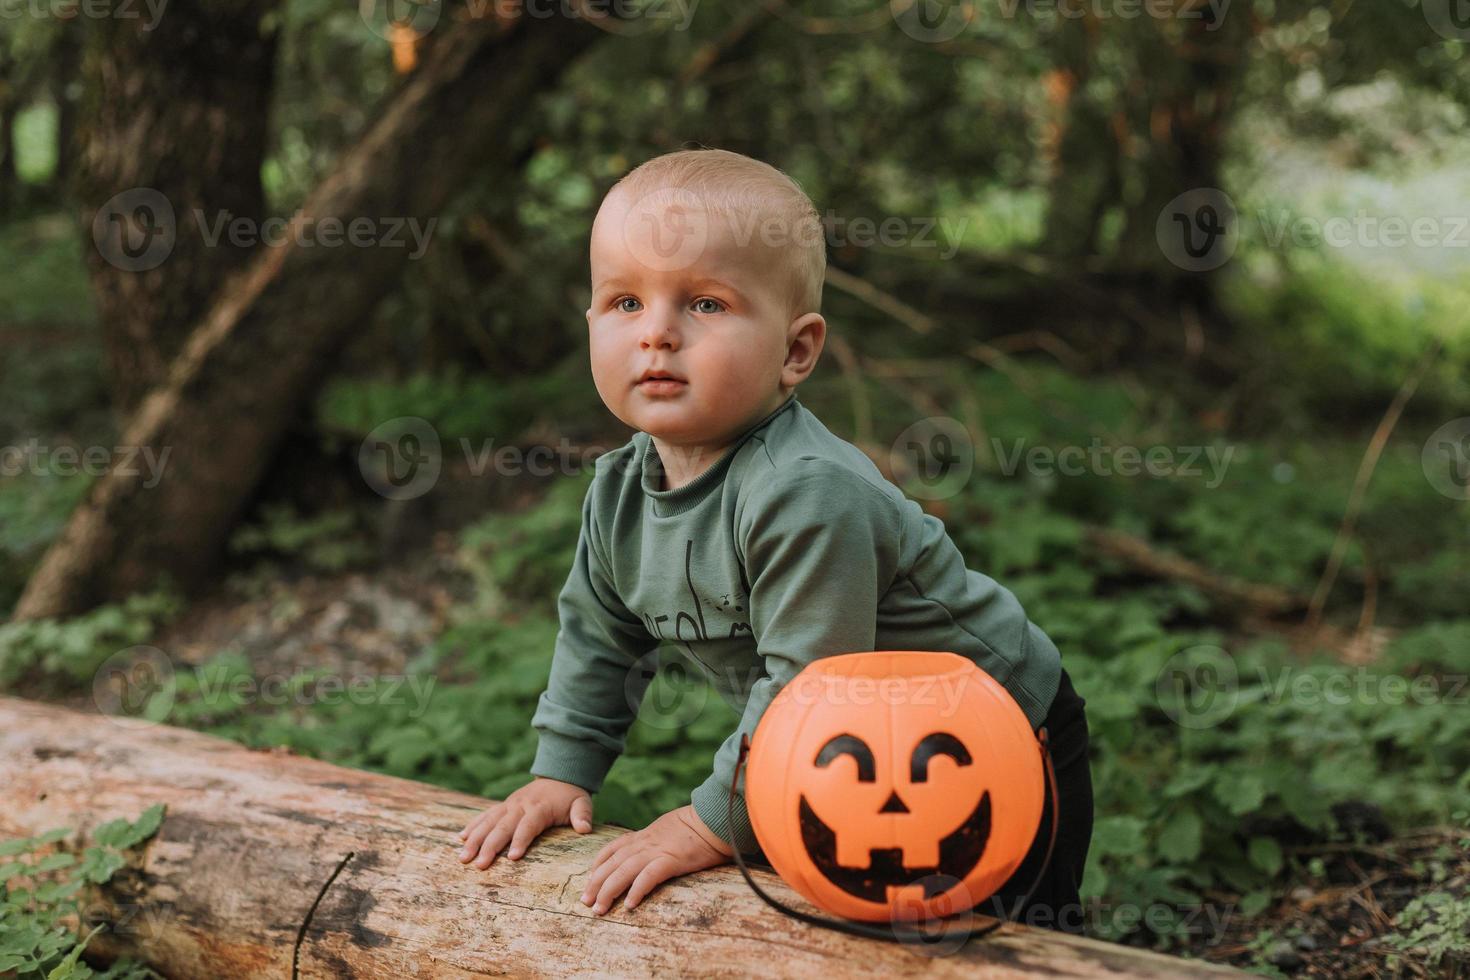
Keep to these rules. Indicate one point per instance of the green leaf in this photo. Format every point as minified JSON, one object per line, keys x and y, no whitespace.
{"x":56,"y":891}
{"x":1188,"y":780}
{"x":68,"y":969}
{"x":55,"y":862}
{"x":20,"y":940}
{"x":110,"y":833}
{"x":98,"y":865}
{"x":1118,"y":835}
{"x":1255,"y":903}
{"x":130,"y":835}
{"x":12,"y":847}
{"x":1180,"y":840}
{"x":149,"y":822}
{"x":1241,"y":791}
{"x":1265,"y":854}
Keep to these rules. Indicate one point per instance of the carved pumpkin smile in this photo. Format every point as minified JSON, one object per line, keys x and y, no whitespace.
{"x":959,"y":851}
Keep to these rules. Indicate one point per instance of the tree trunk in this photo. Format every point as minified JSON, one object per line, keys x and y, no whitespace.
{"x":274,"y":865}
{"x":67,"y":60}
{"x":1133,"y":152}
{"x":172,"y":132}
{"x":269,"y":337}
{"x":9,"y":109}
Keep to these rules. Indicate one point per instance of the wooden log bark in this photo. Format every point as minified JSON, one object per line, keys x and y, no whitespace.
{"x":269,"y":864}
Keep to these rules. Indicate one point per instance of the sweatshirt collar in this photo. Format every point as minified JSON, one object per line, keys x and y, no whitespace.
{"x":667,"y":502}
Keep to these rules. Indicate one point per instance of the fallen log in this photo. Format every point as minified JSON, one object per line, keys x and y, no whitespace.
{"x":269,"y":864}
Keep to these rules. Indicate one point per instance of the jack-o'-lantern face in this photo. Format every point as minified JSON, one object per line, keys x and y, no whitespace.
{"x":958,"y":852}
{"x":879,"y":780}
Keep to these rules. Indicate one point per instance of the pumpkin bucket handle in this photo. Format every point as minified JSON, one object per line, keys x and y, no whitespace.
{"x":895,"y":931}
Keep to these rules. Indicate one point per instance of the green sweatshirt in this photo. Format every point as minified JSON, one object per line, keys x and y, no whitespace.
{"x":792,"y":546}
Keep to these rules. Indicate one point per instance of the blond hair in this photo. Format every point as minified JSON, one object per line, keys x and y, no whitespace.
{"x":729,"y":183}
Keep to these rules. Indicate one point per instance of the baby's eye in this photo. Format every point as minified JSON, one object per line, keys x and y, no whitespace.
{"x":623,"y":307}
{"x":707,"y":305}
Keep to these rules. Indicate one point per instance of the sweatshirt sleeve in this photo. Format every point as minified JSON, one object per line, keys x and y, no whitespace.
{"x":596,"y":683}
{"x":821,"y":546}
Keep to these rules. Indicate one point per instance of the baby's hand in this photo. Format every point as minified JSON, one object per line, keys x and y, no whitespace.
{"x":677,"y":843}
{"x":521,"y":817}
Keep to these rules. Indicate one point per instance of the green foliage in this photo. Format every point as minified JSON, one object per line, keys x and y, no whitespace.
{"x":39,"y":894}
{"x":1436,"y":927}
{"x":1199,"y":804}
{"x":457,"y":406}
{"x":35,"y":143}
{"x":45,"y":280}
{"x":72,"y":650}
{"x":524,"y":557}
{"x":325,"y":542}
{"x":460,"y":718}
{"x":33,"y":511}
{"x":1352,"y":340}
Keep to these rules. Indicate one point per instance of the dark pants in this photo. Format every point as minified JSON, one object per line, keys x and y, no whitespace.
{"x":1055,"y":903}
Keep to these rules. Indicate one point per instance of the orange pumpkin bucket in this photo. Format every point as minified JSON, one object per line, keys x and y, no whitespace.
{"x":895,"y":785}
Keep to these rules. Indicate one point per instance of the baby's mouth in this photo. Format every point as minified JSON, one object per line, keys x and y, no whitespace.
{"x":661,"y":385}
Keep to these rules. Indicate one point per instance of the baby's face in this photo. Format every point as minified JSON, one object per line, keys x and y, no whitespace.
{"x":674,"y":291}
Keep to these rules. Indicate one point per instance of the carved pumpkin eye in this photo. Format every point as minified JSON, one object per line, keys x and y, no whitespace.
{"x":855,"y":747}
{"x":937,"y":743}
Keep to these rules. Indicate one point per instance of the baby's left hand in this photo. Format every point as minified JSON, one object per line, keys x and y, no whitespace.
{"x":677,"y":843}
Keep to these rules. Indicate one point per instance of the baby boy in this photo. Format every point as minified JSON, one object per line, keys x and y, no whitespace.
{"x":735,"y":525}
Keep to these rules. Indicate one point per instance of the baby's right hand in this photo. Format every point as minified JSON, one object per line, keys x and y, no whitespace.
{"x":522,"y":816}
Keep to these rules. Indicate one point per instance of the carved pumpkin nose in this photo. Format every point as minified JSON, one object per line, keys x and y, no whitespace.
{"x":894,"y":804}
